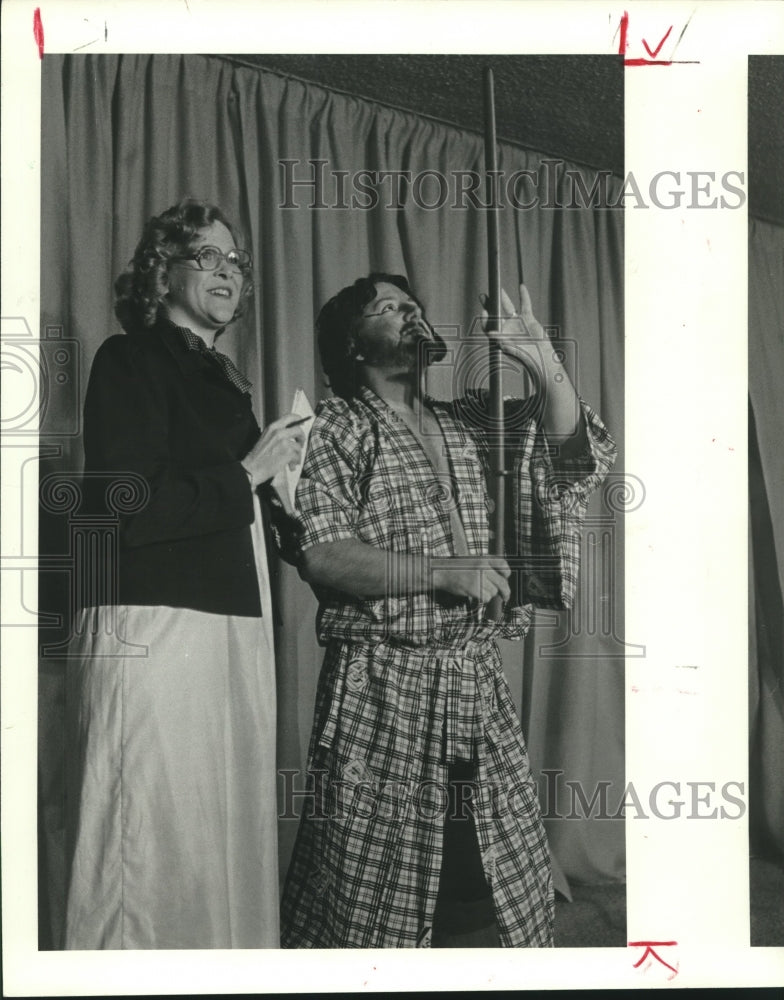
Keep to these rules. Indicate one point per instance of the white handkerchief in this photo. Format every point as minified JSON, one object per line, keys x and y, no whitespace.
{"x":285,"y":482}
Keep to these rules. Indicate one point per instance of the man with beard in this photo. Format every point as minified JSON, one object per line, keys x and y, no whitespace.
{"x":425,"y":826}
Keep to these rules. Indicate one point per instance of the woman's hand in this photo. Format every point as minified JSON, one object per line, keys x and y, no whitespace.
{"x":279,"y":447}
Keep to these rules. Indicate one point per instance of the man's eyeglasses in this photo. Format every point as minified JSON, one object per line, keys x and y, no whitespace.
{"x":210,"y":258}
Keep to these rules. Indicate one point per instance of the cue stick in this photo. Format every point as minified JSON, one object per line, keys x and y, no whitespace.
{"x":496,"y":485}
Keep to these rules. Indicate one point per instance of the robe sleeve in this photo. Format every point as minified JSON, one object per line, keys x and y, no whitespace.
{"x":550,"y":498}
{"x":329,"y":493}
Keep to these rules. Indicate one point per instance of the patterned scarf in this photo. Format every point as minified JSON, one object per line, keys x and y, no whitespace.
{"x":226,"y":365}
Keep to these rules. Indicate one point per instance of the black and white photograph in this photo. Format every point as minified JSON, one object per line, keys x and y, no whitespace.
{"x":408,"y":812}
{"x":370,"y":412}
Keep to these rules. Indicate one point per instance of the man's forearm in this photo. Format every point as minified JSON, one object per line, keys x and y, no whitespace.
{"x":562,"y":419}
{"x":356,"y":568}
{"x":562,"y":415}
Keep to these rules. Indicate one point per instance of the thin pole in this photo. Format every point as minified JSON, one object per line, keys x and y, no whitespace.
{"x":496,"y":410}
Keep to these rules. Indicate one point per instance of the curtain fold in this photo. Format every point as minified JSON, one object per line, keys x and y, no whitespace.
{"x":126,"y":136}
{"x":766,"y":539}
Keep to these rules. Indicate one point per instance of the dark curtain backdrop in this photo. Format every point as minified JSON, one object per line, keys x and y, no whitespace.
{"x":766,"y":538}
{"x":126,"y":136}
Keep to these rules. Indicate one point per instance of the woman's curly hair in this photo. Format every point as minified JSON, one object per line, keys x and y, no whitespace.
{"x":139,"y":291}
{"x":336,"y":327}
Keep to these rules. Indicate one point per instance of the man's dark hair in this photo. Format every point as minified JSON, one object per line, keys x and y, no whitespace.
{"x":336,"y":330}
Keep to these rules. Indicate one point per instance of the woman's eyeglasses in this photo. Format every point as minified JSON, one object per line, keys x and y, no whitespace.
{"x":210,"y":258}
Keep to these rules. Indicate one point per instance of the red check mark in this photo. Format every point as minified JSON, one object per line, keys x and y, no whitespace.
{"x":657,"y":50}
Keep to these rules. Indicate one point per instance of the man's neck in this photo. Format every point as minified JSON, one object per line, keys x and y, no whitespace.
{"x":399,"y":390}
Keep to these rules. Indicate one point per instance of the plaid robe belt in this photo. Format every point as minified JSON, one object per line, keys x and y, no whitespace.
{"x":413,"y":682}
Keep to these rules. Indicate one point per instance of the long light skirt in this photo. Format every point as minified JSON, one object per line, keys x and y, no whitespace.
{"x":172,"y":781}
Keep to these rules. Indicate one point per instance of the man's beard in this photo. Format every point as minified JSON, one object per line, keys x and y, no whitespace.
{"x":407,"y":354}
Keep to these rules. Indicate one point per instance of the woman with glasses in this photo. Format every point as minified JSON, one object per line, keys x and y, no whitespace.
{"x":171,"y":677}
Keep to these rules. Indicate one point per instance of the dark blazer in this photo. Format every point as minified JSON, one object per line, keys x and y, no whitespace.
{"x":170,"y":415}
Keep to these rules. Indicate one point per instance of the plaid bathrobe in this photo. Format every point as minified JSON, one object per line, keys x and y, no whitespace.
{"x":412,"y":682}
